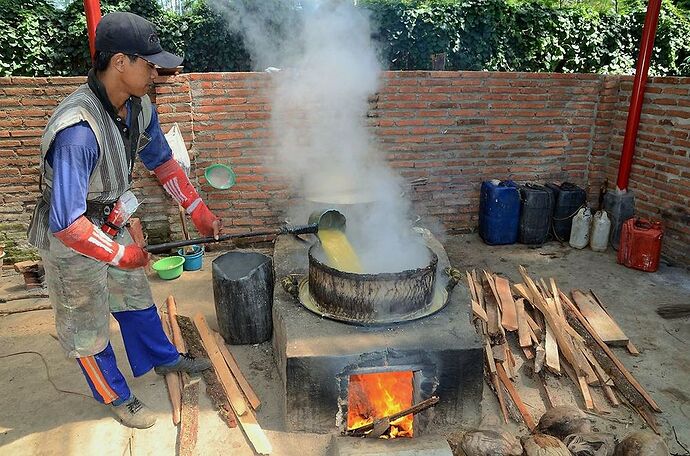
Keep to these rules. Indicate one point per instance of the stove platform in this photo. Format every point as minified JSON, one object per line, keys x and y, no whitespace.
{"x":316,"y":356}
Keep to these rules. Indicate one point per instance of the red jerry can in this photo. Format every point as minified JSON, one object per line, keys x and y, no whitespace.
{"x":640,"y":245}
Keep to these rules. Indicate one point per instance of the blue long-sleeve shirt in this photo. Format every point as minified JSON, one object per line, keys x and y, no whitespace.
{"x":73,"y":156}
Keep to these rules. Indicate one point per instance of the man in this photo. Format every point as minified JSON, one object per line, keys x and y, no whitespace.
{"x":87,"y":155}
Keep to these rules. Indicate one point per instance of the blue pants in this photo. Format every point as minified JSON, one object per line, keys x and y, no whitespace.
{"x":146,"y":345}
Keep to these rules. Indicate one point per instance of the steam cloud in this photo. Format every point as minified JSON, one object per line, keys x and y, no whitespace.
{"x":319,"y":106}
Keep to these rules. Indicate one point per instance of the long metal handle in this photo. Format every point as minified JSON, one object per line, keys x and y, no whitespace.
{"x":303,"y":229}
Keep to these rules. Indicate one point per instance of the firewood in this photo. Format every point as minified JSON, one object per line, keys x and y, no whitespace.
{"x":237,"y":373}
{"x":425,"y":404}
{"x":540,"y":304}
{"x":593,"y":340}
{"x":509,"y":314}
{"x":214,"y":389}
{"x":172,"y":381}
{"x":599,"y":319}
{"x":503,"y":377}
{"x":176,"y":334}
{"x":230,"y":386}
{"x":523,"y":327}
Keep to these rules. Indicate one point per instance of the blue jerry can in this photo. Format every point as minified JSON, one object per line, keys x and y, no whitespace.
{"x":499,"y":212}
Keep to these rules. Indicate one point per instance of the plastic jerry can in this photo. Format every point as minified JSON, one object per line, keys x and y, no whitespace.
{"x":601,"y":228}
{"x":568,"y":199}
{"x":640,"y":245}
{"x":499,"y":212}
{"x":579,"y":233}
{"x":535,"y":214}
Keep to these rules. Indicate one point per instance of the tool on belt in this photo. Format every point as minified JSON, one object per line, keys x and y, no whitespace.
{"x":120,"y":213}
{"x":330,"y":219}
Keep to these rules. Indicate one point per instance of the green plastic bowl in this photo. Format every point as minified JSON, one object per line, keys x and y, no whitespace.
{"x":220,"y":176}
{"x":169,"y":268}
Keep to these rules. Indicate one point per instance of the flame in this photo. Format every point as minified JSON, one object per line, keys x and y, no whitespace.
{"x":373,"y":396}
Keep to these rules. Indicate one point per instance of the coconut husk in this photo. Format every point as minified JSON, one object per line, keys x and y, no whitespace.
{"x":564,"y":420}
{"x":489,"y":442}
{"x":544,"y":445}
{"x":642,"y":443}
{"x":591,"y":444}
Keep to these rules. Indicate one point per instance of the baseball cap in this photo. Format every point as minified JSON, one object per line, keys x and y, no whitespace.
{"x":134,"y":35}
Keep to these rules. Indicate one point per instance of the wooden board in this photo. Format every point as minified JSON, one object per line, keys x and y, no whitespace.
{"x":189,"y":424}
{"x":172,"y":380}
{"x":529,"y":421}
{"x":237,"y":373}
{"x":622,"y":369}
{"x":255,"y":434}
{"x":228,"y":382}
{"x":509,"y":315}
{"x":604,"y":325}
{"x":523,"y":327}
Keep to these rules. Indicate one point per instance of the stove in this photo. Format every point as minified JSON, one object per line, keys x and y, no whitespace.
{"x":322,"y":358}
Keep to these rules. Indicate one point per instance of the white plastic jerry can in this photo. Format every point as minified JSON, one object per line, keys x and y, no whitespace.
{"x":579,"y":232}
{"x":601,"y":228}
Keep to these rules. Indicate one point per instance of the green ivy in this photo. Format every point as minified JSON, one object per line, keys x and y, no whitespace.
{"x":495,"y":35}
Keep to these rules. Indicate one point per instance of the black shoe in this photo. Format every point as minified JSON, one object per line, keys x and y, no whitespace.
{"x":185,"y":363}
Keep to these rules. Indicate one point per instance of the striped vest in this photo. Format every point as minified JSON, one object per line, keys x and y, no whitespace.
{"x":110,"y":178}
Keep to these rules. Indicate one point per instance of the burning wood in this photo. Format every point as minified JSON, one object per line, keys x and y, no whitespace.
{"x":377,"y":424}
{"x":371,"y":396}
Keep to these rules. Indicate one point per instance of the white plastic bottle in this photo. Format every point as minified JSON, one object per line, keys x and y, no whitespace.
{"x":579,"y":233}
{"x":601,"y":228}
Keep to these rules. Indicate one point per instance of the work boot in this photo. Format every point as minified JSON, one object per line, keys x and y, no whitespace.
{"x":185,"y":363}
{"x":133,"y":413}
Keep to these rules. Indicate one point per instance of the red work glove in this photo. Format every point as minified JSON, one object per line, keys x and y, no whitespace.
{"x":84,"y":237}
{"x":174,"y":180}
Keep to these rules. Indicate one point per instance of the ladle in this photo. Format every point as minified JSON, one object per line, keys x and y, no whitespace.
{"x":329,"y":219}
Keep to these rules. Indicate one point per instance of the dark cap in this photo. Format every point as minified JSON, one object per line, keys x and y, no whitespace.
{"x":134,"y":35}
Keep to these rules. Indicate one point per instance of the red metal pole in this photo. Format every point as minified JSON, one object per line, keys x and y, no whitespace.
{"x":646,"y":45}
{"x":92,"y":8}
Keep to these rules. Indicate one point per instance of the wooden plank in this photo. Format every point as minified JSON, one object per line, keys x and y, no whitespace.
{"x":489,"y":357}
{"x":598,"y":370}
{"x":255,"y":434}
{"x":632,"y":349}
{"x":237,"y":373}
{"x":499,"y":395}
{"x":228,"y":382}
{"x":628,"y":376}
{"x":606,"y":328}
{"x":493,"y":315}
{"x":534,"y":326}
{"x":214,"y":389}
{"x":551,"y":346}
{"x":492,"y":286}
{"x":172,"y":381}
{"x":522,"y":290}
{"x":176,"y":334}
{"x":479,"y":312}
{"x":503,"y":377}
{"x":523,"y":327}
{"x":471,"y":286}
{"x":189,"y":423}
{"x":540,"y":304}
{"x":529,"y":353}
{"x":509,"y":315}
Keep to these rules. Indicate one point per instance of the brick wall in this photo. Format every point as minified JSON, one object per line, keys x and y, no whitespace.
{"x":660,"y":175}
{"x":453,"y":128}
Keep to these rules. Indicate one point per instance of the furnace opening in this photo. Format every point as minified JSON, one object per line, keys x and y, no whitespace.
{"x":377,"y":395}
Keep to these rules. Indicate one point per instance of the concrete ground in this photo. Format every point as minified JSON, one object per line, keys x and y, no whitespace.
{"x":35,"y":418}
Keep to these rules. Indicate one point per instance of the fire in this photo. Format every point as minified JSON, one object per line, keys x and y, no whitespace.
{"x":373,"y":396}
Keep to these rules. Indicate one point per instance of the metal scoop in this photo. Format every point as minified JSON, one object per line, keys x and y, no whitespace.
{"x":330,"y":219}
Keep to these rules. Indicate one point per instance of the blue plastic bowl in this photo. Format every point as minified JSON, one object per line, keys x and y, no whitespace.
{"x":194,"y":260}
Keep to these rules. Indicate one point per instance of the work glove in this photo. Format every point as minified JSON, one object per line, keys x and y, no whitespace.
{"x":86,"y":238}
{"x":174,"y":180}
